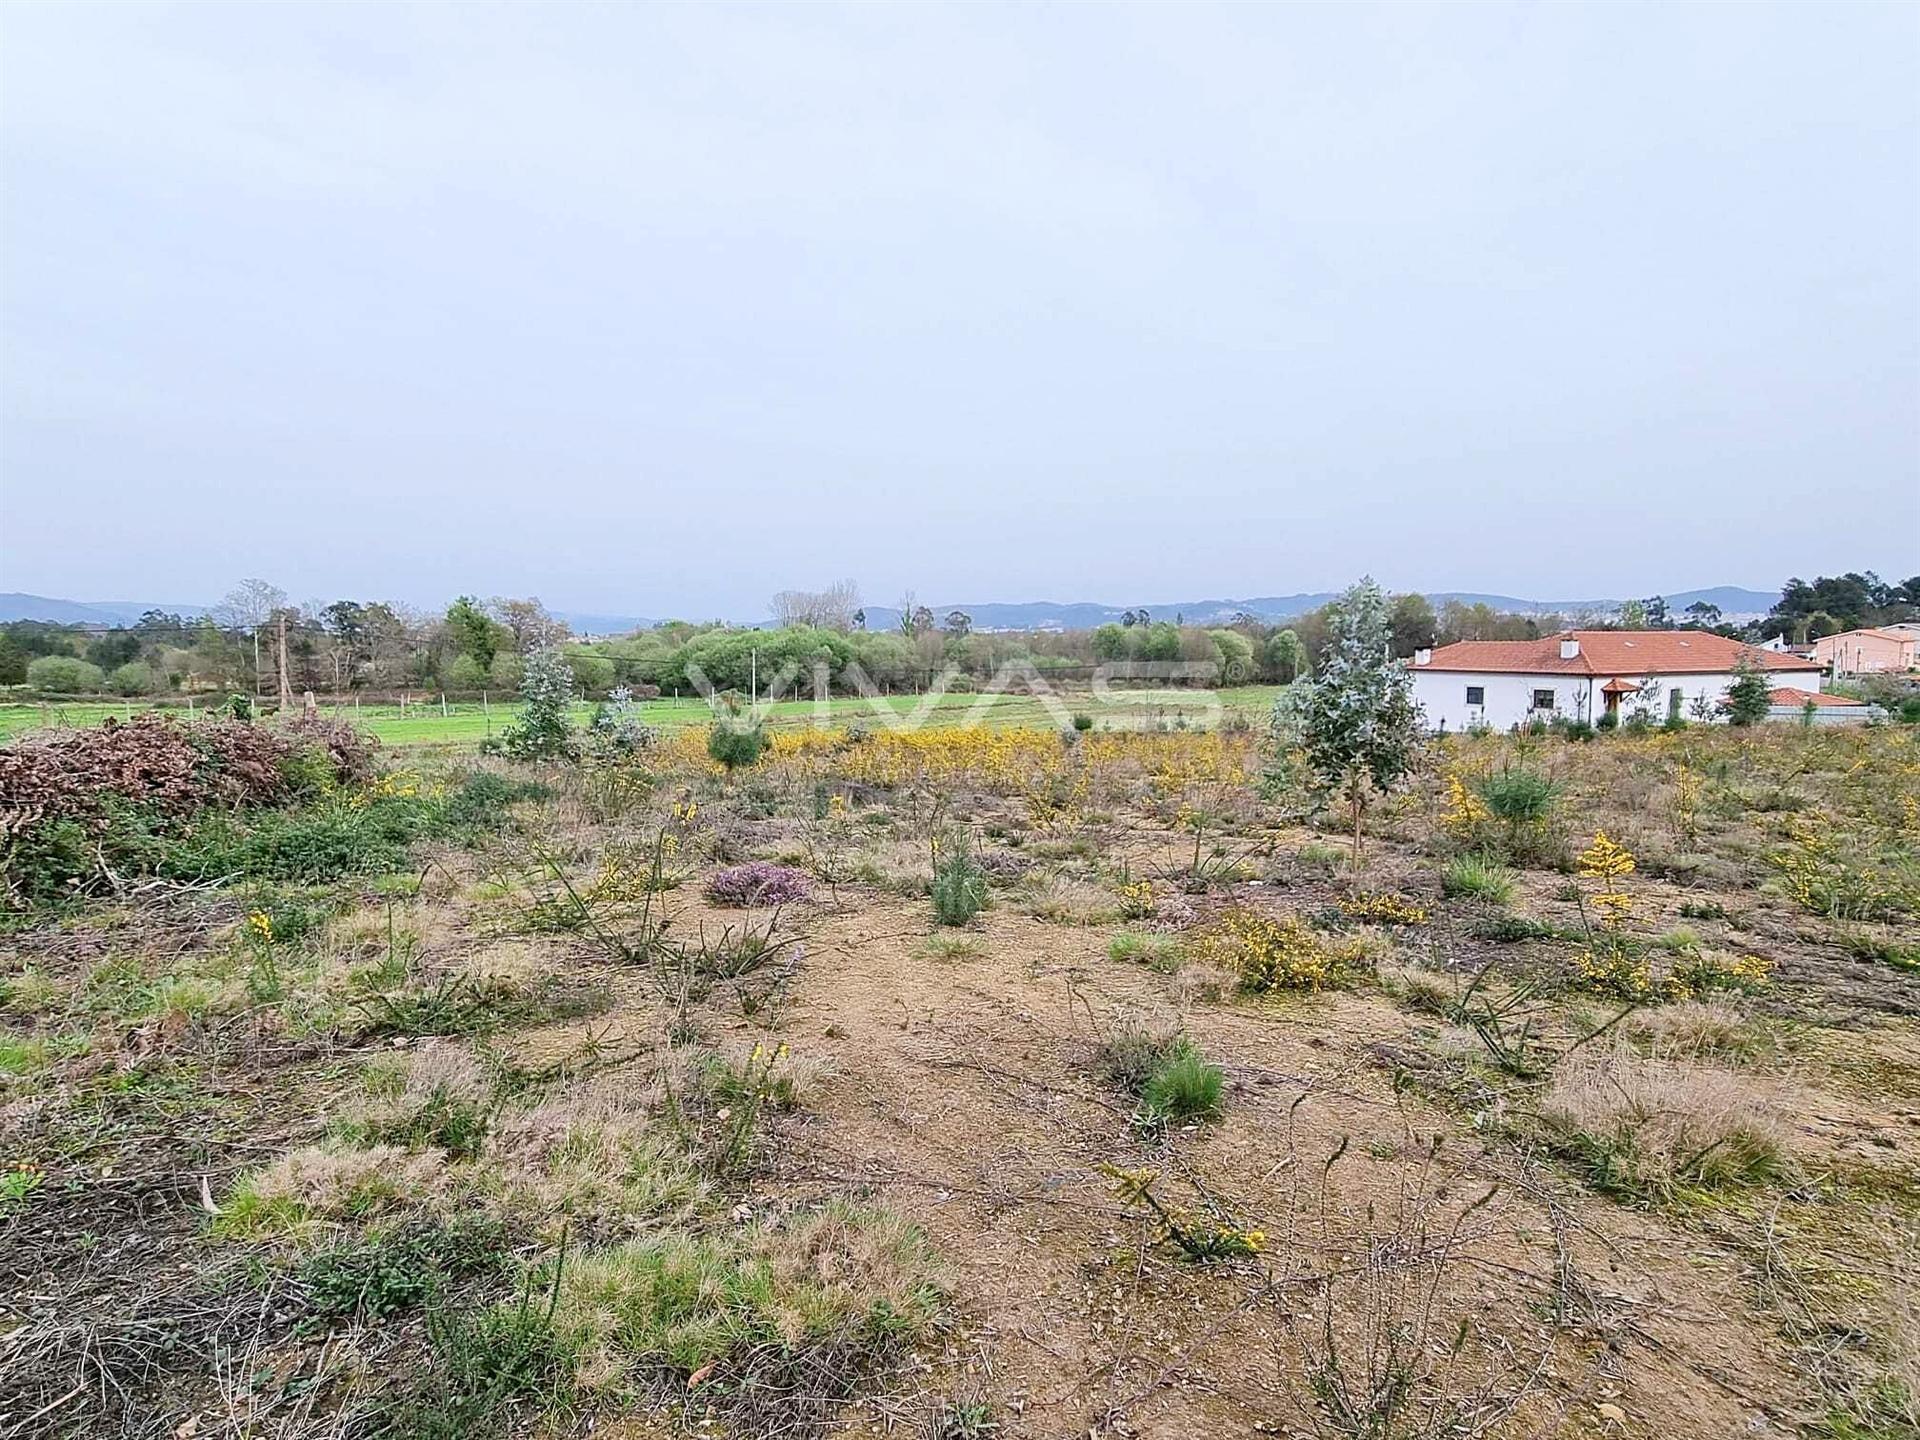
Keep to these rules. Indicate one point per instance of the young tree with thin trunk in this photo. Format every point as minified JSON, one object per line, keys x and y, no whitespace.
{"x":1355,"y":723}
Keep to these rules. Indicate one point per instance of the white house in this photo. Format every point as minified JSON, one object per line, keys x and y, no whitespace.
{"x":1582,"y":674}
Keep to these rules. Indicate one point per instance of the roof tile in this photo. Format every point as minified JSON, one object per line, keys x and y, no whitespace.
{"x":1613,"y":652}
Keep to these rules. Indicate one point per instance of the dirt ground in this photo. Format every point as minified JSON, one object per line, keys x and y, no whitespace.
{"x":1414,"y":1218}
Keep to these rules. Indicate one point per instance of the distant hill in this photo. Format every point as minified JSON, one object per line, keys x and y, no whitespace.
{"x":17,"y":606}
{"x":603,"y":624}
{"x":1734,"y":602}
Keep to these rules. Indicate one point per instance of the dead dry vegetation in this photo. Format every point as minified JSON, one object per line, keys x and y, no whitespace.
{"x":996,"y":1083}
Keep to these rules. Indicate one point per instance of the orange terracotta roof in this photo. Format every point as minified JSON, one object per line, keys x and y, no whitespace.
{"x":1787,"y":695}
{"x":1613,"y":652}
{"x":1619,"y":687}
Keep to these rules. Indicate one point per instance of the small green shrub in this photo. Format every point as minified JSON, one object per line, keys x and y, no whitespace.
{"x":1519,"y":796}
{"x":321,"y":843}
{"x":1169,"y":1077}
{"x":959,"y":888}
{"x":1513,"y":929}
{"x":1159,"y":953}
{"x":481,"y":802}
{"x":1182,"y":1086}
{"x":397,"y":1270}
{"x":735,"y":742}
{"x":1475,"y":877}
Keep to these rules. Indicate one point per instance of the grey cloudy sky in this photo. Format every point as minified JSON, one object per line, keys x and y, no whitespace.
{"x":660,"y":309}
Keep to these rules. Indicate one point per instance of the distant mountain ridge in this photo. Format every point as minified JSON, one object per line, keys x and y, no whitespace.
{"x":1735,"y":604}
{"x":17,"y":606}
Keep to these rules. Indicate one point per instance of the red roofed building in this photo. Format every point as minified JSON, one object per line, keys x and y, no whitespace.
{"x":1582,"y":674}
{"x":1788,"y":703}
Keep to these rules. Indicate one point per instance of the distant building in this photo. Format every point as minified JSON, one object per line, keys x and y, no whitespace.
{"x":1886,"y":649}
{"x":1788,"y":703}
{"x":1583,"y":674}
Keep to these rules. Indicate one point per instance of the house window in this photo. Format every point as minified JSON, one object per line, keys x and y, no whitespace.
{"x":1476,"y":694}
{"x":1543,"y":699}
{"x":1676,"y":697}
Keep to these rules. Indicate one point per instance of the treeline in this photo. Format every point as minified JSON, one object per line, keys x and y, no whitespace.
{"x":1836,"y":603}
{"x":256,"y":636}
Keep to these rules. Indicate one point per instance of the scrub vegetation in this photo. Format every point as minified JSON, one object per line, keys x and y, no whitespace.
{"x":1011,"y":1081}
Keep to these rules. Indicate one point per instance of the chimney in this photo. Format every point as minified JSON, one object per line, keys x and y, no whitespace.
{"x":1423,"y":656}
{"x":1569,"y":646}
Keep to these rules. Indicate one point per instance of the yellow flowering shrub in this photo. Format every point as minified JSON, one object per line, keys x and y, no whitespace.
{"x":1136,"y":900}
{"x":1465,"y":811}
{"x":1628,"y":972}
{"x":1026,"y":760}
{"x":1199,"y":1236}
{"x":1829,"y":872}
{"x":1274,"y":953}
{"x":1609,"y":862}
{"x":1382,"y":910}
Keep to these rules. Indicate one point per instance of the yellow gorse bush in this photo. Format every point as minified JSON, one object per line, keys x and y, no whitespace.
{"x":1136,"y":899}
{"x":1383,"y":910}
{"x":395,"y":785}
{"x":1017,"y":760}
{"x":1274,"y":953}
{"x":1465,"y":811}
{"x":1609,"y":862}
{"x":1199,"y":1236}
{"x":1605,"y":859}
{"x":1622,"y":970}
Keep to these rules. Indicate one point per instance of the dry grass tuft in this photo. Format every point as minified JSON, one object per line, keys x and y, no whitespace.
{"x":1066,"y":901}
{"x":317,"y":1184}
{"x":1713,"y":1028}
{"x":1204,"y":983}
{"x":1649,"y":1126}
{"x":592,"y":1160}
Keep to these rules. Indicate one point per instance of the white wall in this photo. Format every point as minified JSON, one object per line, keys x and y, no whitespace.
{"x":1824,"y":715}
{"x":1509,"y":698}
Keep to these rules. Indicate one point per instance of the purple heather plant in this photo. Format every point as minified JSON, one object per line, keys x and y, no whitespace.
{"x":759,"y":882}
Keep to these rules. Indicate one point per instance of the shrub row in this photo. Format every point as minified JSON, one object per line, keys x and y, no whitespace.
{"x":213,"y":800}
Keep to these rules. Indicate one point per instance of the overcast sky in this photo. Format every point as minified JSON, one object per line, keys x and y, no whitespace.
{"x":660,"y":309}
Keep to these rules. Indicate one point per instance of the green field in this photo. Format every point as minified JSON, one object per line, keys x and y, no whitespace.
{"x":468,"y":724}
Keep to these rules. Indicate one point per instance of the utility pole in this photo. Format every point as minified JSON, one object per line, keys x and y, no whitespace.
{"x":286,"y":687}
